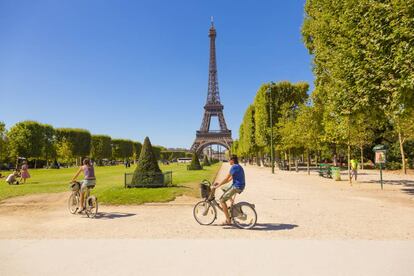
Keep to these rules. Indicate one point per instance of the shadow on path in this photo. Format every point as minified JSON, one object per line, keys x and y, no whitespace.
{"x":113,"y":215}
{"x":268,"y":227}
{"x":273,"y":226}
{"x":407,"y":183}
{"x":408,"y":191}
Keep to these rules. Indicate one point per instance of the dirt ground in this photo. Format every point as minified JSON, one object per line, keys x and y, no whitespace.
{"x":290,"y":205}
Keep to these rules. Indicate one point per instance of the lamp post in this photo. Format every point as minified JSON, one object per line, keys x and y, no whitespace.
{"x":269,"y":93}
{"x":380,"y":158}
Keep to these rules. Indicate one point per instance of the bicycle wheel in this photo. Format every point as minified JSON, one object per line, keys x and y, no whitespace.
{"x":205,"y":213}
{"x":91,"y":206}
{"x":73,"y":203}
{"x":244,"y":215}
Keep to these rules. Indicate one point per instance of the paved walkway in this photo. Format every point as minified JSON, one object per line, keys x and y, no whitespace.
{"x":301,"y":220}
{"x":290,"y":205}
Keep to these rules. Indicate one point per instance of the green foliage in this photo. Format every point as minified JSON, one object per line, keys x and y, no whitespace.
{"x":73,"y":142}
{"x":122,"y":149}
{"x":206,"y":162}
{"x":157,"y":151}
{"x":247,"y":134}
{"x":363,"y":52}
{"x":49,"y":139}
{"x":101,"y":147}
{"x":31,"y":140}
{"x":3,"y":142}
{"x":172,"y":154}
{"x":137,"y":146}
{"x":195,"y":163}
{"x":283,"y":96}
{"x":235,"y":148}
{"x":147,"y":171}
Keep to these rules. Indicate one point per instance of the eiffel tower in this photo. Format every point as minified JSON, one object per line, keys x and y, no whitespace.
{"x":213,"y":107}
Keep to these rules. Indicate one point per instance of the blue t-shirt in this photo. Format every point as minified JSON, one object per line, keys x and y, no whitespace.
{"x":237,"y":173}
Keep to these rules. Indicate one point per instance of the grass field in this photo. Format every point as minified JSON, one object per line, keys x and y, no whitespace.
{"x":110,"y":184}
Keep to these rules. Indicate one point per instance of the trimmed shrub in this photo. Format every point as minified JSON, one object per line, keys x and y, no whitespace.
{"x":195,"y":163}
{"x":205,"y":161}
{"x":147,"y":173}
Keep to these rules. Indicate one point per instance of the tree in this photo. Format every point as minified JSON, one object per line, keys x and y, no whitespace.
{"x":235,"y":147}
{"x":73,"y":143}
{"x":49,"y":140}
{"x":363,"y":52}
{"x":3,"y":142}
{"x":247,"y":135}
{"x":283,"y":96}
{"x":26,"y":139}
{"x":101,"y":147}
{"x":404,"y":128}
{"x":122,"y":149}
{"x":147,"y":171}
{"x":195,"y":163}
{"x":206,"y":162}
{"x":157,"y":151}
{"x":309,"y":130}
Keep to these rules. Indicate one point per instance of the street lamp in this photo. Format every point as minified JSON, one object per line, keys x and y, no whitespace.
{"x":269,"y":93}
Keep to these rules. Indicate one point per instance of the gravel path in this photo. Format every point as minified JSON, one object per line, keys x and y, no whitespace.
{"x":290,"y":205}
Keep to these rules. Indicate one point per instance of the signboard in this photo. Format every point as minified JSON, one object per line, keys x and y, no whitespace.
{"x":380,"y":157}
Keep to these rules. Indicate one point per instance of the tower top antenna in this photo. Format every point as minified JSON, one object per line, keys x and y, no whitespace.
{"x":212,"y":21}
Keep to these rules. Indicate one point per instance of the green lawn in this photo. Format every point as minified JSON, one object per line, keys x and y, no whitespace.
{"x":110,"y":184}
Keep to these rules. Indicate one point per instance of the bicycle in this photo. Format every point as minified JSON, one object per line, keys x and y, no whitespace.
{"x":90,"y":202}
{"x":242,"y":214}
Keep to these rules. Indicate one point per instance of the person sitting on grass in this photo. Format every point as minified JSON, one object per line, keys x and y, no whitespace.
{"x":89,"y":180}
{"x":12,"y":178}
{"x":237,"y":175}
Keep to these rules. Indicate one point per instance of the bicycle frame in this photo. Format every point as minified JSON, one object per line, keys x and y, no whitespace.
{"x":211,"y":198}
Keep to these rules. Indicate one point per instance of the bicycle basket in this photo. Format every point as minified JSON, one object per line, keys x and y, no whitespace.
{"x":205,"y":189}
{"x":74,"y":186}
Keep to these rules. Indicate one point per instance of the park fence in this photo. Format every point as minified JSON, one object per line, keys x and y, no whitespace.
{"x":149,"y":180}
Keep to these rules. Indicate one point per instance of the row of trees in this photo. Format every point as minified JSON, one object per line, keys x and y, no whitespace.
{"x":37,"y":141}
{"x":363,"y":53}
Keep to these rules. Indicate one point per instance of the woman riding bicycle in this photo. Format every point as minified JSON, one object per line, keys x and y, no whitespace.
{"x":88,"y":181}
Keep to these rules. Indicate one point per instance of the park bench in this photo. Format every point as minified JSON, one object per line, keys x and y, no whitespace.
{"x":325,"y":170}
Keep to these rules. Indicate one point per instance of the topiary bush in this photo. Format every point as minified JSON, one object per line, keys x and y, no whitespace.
{"x":147,"y":173}
{"x":205,"y":161}
{"x":195,"y":163}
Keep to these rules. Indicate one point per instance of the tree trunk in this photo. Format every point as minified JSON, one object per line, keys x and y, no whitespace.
{"x":308,"y":162}
{"x":349,"y":163}
{"x":289,"y":159}
{"x":401,"y":140}
{"x":362,"y":157}
{"x":35,"y":164}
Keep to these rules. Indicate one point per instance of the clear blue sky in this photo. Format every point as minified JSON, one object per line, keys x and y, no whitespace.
{"x":132,"y":69}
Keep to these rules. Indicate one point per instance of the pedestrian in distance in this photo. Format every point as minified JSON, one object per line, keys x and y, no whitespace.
{"x":354,"y":169}
{"x":24,"y":172}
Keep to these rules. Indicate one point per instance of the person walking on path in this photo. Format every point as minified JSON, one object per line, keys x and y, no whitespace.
{"x":237,"y":175}
{"x":89,"y":180}
{"x":24,"y":172}
{"x":354,"y":168}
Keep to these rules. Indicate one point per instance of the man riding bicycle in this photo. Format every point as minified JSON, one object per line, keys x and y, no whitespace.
{"x":237,"y":175}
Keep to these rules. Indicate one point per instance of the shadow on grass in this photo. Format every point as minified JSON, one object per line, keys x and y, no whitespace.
{"x":269,"y":227}
{"x":113,"y":215}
